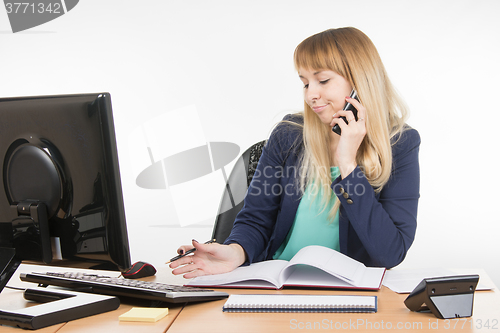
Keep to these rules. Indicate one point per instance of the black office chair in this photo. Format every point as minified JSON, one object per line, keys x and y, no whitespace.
{"x":235,"y":191}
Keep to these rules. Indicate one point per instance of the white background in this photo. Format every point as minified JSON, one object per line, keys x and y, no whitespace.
{"x":232,"y":60}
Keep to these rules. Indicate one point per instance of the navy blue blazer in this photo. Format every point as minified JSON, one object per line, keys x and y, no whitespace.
{"x":376,"y":229}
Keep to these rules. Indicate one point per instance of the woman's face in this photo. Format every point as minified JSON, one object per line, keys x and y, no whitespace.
{"x":324,"y":91}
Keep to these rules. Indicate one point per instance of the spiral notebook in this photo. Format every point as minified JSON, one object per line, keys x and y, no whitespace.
{"x":300,"y":303}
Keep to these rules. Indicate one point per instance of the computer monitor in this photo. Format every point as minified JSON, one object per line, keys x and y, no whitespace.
{"x":60,"y":190}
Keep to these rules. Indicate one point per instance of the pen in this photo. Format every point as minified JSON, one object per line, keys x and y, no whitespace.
{"x":187,"y":252}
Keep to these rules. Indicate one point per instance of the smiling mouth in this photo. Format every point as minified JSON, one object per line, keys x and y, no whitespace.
{"x":319,"y":108}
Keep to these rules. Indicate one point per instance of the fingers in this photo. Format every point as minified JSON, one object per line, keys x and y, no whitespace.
{"x":194,"y":274}
{"x":211,"y":258}
{"x":343,"y":116}
{"x":182,"y":261}
{"x":190,"y":265}
{"x":197,"y":245}
{"x":187,"y":265}
{"x":338,"y":118}
{"x":353,"y":128}
{"x":183,"y":248}
{"x":195,"y":269}
{"x":188,"y":259}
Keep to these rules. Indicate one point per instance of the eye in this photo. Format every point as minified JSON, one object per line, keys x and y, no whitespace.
{"x":324,"y":81}
{"x":306,"y":86}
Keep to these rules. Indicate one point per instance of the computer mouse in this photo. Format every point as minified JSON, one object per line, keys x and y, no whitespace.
{"x":139,"y":270}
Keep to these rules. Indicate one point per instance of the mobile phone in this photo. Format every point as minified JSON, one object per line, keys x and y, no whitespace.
{"x":348,"y":107}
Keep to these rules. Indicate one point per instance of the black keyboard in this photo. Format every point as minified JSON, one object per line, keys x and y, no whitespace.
{"x":113,"y":286}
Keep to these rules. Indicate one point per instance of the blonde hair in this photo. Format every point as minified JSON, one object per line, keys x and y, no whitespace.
{"x":350,"y":53}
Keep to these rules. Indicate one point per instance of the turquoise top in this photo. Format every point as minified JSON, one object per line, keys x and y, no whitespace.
{"x":311,"y":225}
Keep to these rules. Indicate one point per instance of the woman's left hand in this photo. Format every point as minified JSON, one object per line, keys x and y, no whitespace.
{"x":353,"y":134}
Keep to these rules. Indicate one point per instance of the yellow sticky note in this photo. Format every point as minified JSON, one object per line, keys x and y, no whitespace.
{"x":150,"y":315}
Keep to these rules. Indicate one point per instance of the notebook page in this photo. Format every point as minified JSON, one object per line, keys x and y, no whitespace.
{"x":264,"y":271}
{"x":330,"y":261}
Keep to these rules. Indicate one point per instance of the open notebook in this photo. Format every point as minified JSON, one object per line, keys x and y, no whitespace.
{"x":312,"y":266}
{"x":300,"y":303}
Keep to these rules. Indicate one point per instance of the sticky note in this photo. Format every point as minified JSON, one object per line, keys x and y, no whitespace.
{"x":150,"y":315}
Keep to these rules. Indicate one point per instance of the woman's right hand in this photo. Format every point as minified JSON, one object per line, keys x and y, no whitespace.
{"x":208,"y":259}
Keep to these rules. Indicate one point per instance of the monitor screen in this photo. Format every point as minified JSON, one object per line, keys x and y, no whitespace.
{"x":60,"y":191}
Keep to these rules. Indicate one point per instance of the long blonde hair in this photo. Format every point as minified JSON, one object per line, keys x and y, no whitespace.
{"x":350,"y":53}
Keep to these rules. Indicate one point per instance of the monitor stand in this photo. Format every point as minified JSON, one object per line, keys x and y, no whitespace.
{"x":62,"y":306}
{"x":33,"y":214}
{"x":59,"y":305}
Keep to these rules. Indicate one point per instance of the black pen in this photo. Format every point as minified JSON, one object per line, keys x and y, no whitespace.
{"x":187,"y":252}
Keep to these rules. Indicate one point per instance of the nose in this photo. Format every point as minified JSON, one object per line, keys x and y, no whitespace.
{"x":311,"y":94}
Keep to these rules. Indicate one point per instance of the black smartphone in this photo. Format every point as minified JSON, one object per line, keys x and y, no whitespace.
{"x":348,"y":107}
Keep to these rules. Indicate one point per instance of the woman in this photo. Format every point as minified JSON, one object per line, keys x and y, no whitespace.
{"x":356,"y":192}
